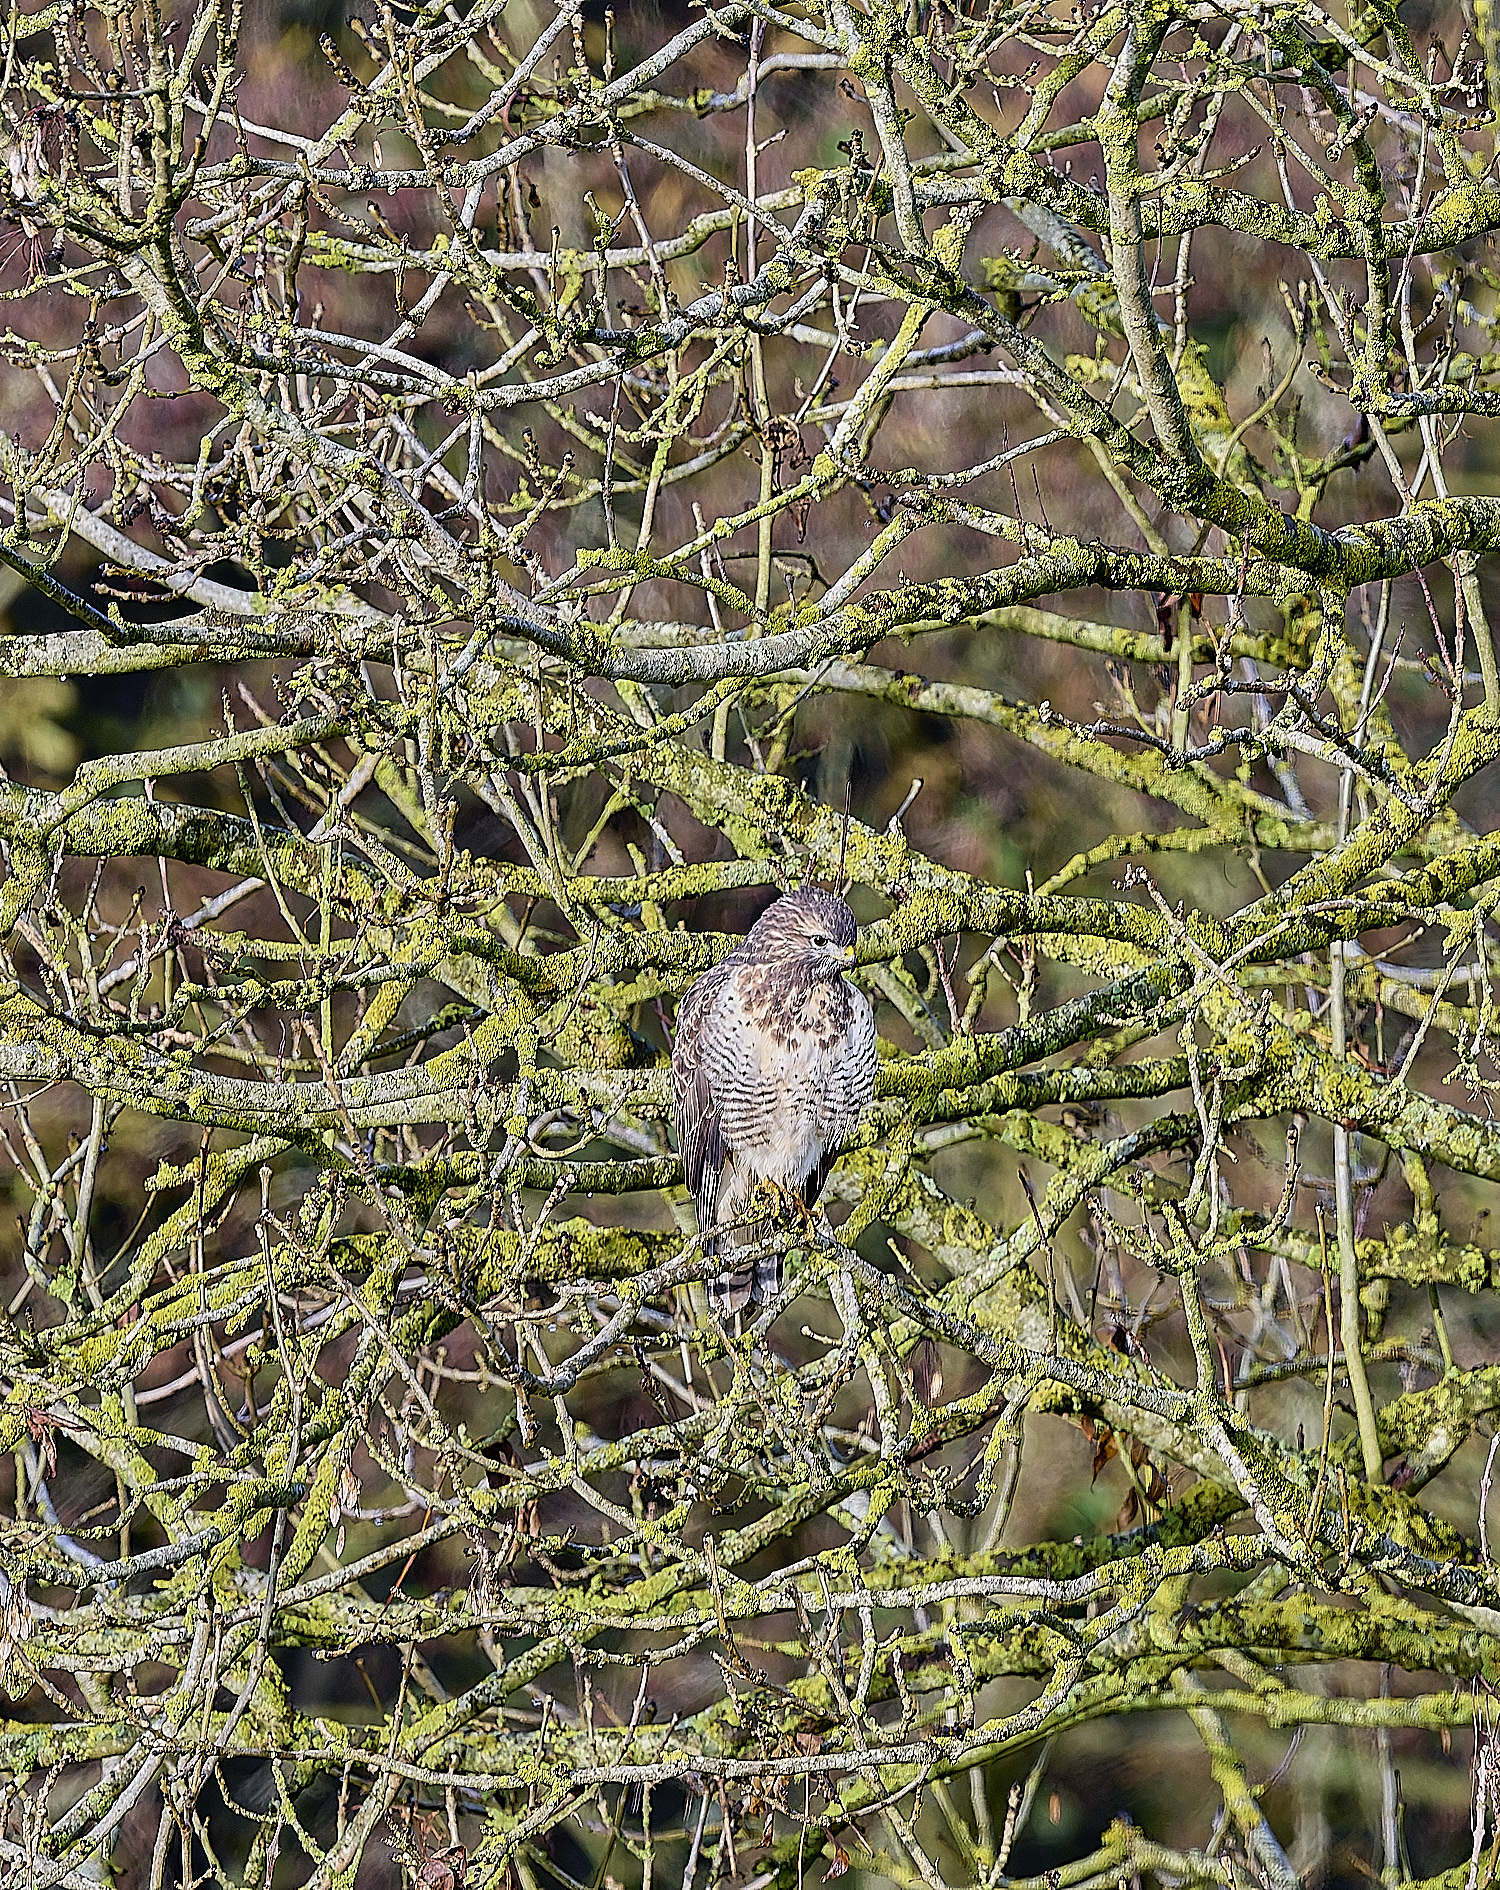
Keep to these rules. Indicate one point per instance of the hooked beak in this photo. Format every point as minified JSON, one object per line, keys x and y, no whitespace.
{"x":847,"y":956}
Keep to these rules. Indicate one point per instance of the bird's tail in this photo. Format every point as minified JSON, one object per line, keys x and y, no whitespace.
{"x":756,"y":1279}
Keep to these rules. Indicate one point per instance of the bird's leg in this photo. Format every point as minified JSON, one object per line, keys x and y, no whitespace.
{"x":772,"y":1197}
{"x":805,"y":1214}
{"x":787,"y":1206}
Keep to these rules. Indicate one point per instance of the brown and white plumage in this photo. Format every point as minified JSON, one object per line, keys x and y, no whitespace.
{"x":773,"y":1061}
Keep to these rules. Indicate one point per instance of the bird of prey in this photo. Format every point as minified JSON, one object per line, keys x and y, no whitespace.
{"x":773,"y":1060}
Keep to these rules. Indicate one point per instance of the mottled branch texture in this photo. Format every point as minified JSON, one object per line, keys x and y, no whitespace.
{"x":490,"y":496}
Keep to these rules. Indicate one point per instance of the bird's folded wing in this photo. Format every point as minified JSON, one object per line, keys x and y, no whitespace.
{"x":700,"y":1139}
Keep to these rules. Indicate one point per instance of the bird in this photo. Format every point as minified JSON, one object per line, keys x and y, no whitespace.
{"x":772,"y":1061}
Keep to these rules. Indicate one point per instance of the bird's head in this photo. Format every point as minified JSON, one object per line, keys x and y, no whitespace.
{"x":808,"y":925}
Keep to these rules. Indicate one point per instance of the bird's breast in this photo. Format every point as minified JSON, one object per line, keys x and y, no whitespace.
{"x":798,"y":1018}
{"x":792,"y":1089}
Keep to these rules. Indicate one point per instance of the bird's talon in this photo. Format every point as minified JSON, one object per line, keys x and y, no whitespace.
{"x":780,"y":1202}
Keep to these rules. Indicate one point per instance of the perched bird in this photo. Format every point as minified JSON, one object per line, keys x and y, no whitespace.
{"x":773,"y":1060}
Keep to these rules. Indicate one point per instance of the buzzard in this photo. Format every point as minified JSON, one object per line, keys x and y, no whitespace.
{"x":773,"y":1060}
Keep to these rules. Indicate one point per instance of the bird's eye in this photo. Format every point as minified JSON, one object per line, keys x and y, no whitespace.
{"x":820,"y":938}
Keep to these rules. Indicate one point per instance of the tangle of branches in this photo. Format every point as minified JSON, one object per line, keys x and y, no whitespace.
{"x":478,"y":481}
